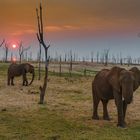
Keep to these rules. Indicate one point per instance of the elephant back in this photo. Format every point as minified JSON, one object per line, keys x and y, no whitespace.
{"x":14,"y":70}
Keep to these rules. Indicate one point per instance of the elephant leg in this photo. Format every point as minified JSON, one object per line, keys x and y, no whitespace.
{"x":25,"y":82}
{"x":119,"y":104}
{"x":95,"y":108}
{"x":12,"y":81}
{"x":124,"y":109}
{"x":105,"y":111}
{"x":8,"y":81}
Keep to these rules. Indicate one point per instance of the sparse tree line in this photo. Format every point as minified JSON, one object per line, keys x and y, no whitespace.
{"x":23,"y":53}
{"x":103,"y":57}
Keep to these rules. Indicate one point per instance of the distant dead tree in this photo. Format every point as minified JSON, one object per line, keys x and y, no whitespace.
{"x":60,"y":66}
{"x":6,"y":52}
{"x":71,"y":59}
{"x":83,"y":59}
{"x":56,"y":56}
{"x":92,"y":55}
{"x":40,"y":37}
{"x":2,"y":42}
{"x":138,"y":60}
{"x":106,"y":54}
{"x":102,"y":58}
{"x":129,"y":60}
{"x":97,"y":57}
{"x":30,"y":57}
{"x":121,"y":59}
{"x":26,"y":55}
{"x":65,"y":59}
{"x":114,"y":59}
{"x":74,"y":57}
{"x":21,"y":51}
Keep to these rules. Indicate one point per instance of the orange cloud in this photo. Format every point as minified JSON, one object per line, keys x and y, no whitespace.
{"x":60,"y":28}
{"x":22,"y":32}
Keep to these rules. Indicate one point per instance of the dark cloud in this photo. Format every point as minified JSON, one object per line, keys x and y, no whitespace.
{"x":72,"y":12}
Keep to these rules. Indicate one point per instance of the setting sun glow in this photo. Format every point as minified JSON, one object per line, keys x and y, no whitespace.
{"x":14,"y":59}
{"x":14,"y":46}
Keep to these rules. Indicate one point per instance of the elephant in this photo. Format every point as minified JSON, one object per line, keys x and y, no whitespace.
{"x":15,"y":70}
{"x":116,"y":83}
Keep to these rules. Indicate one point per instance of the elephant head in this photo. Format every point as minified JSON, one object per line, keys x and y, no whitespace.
{"x":122,"y":81}
{"x":29,"y":68}
{"x":136,"y":72}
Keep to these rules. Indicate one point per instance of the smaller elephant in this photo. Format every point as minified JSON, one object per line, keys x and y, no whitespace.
{"x":117,"y":84}
{"x":15,"y":70}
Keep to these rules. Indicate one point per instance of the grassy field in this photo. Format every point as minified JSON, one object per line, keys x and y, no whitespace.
{"x":66,"y":114}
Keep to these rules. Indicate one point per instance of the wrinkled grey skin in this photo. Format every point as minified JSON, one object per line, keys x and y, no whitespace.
{"x":117,"y":84}
{"x":15,"y":70}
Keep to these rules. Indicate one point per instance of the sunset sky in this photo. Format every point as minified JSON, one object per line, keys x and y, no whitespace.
{"x":79,"y":25}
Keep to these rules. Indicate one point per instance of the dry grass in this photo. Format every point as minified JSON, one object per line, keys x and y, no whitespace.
{"x":68,"y":98}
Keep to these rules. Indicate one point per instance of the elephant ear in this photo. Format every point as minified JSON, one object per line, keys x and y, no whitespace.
{"x":136,"y":72}
{"x":136,"y":81}
{"x":114,"y":78}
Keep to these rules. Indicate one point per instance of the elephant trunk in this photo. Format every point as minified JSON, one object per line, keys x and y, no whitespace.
{"x":127,"y":95}
{"x":33,"y":75}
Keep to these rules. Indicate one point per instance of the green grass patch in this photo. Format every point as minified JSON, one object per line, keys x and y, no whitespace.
{"x":47,"y":125}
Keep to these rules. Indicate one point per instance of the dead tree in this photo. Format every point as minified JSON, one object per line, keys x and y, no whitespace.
{"x":39,"y":63}
{"x":60,"y":67}
{"x":97,"y":57}
{"x":70,"y":69}
{"x":6,"y":52}
{"x":129,"y":60}
{"x":26,"y":56}
{"x":114,"y":59}
{"x":106,"y":54}
{"x":40,"y":37}
{"x":21,"y":51}
{"x":92,"y":54}
{"x":65,"y":59}
{"x":2,"y":42}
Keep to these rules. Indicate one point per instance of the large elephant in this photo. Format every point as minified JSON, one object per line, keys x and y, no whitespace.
{"x":18,"y":70}
{"x":117,"y":84}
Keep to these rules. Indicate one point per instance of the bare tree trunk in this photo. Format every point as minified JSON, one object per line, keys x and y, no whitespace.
{"x":70,"y":69}
{"x":92,"y":57}
{"x":41,"y":41}
{"x":6,"y":55}
{"x":26,"y":56}
{"x":20,"y":56}
{"x":97,"y":55}
{"x":21,"y":51}
{"x":2,"y":43}
{"x":65,"y":57}
{"x":6,"y":52}
{"x":106,"y":53}
{"x":60,"y":68}
{"x":43,"y":88}
{"x":39,"y":64}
